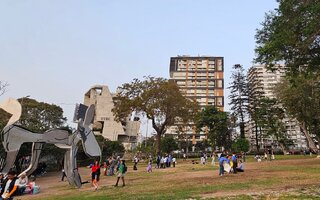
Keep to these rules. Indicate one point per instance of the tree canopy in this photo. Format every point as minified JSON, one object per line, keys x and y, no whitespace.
{"x":301,"y":98}
{"x":291,"y":34}
{"x":216,"y":123}
{"x":159,"y":99}
{"x":239,"y":96}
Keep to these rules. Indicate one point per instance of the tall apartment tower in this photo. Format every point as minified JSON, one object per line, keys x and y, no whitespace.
{"x":200,"y":78}
{"x":261,"y":82}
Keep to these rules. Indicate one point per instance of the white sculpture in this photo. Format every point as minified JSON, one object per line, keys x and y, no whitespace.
{"x":13,"y":136}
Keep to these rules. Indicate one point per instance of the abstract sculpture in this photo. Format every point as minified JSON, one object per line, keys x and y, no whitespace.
{"x":13,"y":136}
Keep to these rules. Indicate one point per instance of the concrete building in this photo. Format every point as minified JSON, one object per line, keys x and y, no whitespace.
{"x":261,"y":83}
{"x":104,"y":120}
{"x":199,"y":78}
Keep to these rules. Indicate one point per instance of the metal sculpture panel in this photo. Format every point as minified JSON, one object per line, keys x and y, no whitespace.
{"x":14,"y":136}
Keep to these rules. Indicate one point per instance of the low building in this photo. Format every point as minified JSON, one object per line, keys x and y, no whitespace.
{"x":104,"y":120}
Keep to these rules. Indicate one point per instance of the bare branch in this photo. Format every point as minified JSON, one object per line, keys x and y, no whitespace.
{"x":3,"y":87}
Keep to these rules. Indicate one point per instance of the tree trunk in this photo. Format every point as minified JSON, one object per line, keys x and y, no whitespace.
{"x":257,"y":139}
{"x":242,"y":134}
{"x":283,"y":148}
{"x":310,"y":142}
{"x":260,"y":135}
{"x":158,"y":144}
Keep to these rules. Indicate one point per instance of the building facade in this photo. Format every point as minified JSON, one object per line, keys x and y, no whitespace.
{"x":200,"y":78}
{"x":261,"y":83}
{"x":104,"y":120}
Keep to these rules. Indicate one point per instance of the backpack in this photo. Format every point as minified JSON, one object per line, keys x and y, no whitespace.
{"x":125,"y":168}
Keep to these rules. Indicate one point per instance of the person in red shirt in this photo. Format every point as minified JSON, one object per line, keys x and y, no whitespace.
{"x":95,"y":174}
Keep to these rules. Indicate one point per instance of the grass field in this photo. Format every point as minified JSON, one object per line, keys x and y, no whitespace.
{"x":288,"y":177}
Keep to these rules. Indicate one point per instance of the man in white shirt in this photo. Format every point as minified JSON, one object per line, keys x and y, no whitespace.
{"x":10,"y":187}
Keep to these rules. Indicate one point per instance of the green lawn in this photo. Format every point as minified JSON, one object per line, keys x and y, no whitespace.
{"x":288,"y":177}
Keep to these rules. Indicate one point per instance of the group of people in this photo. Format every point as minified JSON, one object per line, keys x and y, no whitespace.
{"x":11,"y":185}
{"x":165,"y":161}
{"x":268,"y":155}
{"x":230,"y":164}
{"x":96,"y":172}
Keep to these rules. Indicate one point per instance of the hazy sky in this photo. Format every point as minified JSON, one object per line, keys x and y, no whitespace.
{"x":55,"y":50}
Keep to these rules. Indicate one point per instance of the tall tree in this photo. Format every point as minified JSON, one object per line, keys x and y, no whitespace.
{"x":254,"y":103}
{"x":301,"y":98}
{"x":291,"y":34}
{"x":239,"y":96}
{"x":216,"y":122}
{"x":272,"y":115}
{"x":158,"y":99}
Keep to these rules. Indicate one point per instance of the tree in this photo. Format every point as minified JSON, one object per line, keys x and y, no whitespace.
{"x":169,"y":144}
{"x":272,"y":123}
{"x":239,"y":96}
{"x":254,"y":104}
{"x":39,"y":116}
{"x":158,"y":99}
{"x":3,"y":87}
{"x":301,"y":98}
{"x":109,"y":148}
{"x":216,"y":123}
{"x":241,"y":144}
{"x":291,"y":34}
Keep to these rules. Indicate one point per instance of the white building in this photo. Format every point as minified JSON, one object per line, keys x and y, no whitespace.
{"x":261,"y":83}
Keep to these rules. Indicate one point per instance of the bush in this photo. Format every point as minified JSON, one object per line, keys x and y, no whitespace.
{"x":241,"y":144}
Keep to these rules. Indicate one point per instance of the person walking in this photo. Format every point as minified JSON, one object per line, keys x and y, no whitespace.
{"x":222,"y":159}
{"x":135,"y":160}
{"x":121,"y":173}
{"x":95,"y":174}
{"x":63,"y":174}
{"x":149,"y":168}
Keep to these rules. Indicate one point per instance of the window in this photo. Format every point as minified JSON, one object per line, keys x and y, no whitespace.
{"x":219,"y":65}
{"x":219,"y":83}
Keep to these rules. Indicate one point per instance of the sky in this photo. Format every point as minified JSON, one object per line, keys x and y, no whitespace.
{"x":55,"y":51}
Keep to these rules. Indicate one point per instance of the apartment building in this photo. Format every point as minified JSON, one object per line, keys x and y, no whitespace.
{"x":200,"y":78}
{"x":261,"y":83}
